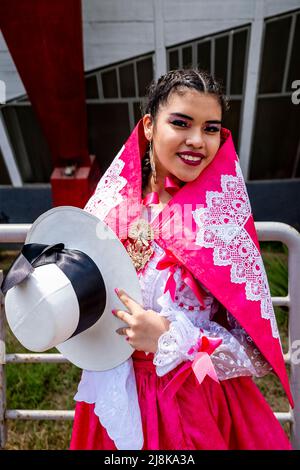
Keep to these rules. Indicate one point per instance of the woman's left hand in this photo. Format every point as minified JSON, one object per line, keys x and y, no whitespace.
{"x":144,"y":326}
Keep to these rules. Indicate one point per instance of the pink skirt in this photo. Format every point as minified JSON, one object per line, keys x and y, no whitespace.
{"x":230,"y":415}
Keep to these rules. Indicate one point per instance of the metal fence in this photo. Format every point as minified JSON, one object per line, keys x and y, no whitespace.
{"x":267,"y":231}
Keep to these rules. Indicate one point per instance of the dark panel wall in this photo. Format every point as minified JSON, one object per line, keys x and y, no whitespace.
{"x":271,"y":201}
{"x":24,"y":205}
{"x":276,"y":201}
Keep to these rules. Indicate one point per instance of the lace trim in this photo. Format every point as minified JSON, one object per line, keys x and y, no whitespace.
{"x":186,"y":299}
{"x":231,"y":359}
{"x":116,"y":403}
{"x":194,"y":313}
{"x":174,"y":345}
{"x":149,"y":277}
{"x":221,"y":227}
{"x":261,"y":366}
{"x":107,"y":194}
{"x":236,"y":356}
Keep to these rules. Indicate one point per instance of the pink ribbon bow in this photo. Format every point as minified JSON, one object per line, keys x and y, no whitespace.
{"x":201,"y":366}
{"x":151,"y":198}
{"x":171,"y":262}
{"x":170,"y":186}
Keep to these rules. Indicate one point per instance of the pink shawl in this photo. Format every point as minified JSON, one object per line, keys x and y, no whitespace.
{"x":208,"y":226}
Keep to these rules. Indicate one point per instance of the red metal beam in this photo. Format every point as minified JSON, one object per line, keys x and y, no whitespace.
{"x":45,"y":40}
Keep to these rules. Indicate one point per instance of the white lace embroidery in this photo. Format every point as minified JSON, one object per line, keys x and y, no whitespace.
{"x":231,"y":359}
{"x":236,"y":356}
{"x":261,"y":366}
{"x":173,"y":346}
{"x":116,"y":403}
{"x":148,"y":283}
{"x":107,"y":194}
{"x":221,"y":227}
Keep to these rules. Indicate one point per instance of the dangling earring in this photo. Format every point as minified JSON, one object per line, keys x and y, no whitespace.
{"x":153,"y":169}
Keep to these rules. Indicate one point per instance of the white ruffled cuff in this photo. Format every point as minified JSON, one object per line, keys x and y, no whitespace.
{"x":115,"y":397}
{"x":174,"y":345}
{"x":236,"y":356}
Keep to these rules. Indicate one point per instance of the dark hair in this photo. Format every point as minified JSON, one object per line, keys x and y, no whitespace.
{"x":199,"y":80}
{"x":173,"y":80}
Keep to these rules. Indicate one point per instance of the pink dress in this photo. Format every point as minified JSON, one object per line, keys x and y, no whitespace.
{"x":232,"y":415}
{"x":129,"y":408}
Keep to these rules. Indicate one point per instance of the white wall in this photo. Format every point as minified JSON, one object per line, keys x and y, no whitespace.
{"x":115,"y":30}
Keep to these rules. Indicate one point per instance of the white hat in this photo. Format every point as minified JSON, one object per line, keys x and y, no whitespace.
{"x":60,"y":289}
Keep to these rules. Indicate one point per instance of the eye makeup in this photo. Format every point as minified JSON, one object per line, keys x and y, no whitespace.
{"x":189,"y":118}
{"x":212,"y":128}
{"x":179,"y":123}
{"x":182,"y":120}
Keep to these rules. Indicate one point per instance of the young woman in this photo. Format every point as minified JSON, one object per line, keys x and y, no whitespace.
{"x":176,"y":197}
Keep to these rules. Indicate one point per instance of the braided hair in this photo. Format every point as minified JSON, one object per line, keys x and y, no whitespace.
{"x":177,"y":80}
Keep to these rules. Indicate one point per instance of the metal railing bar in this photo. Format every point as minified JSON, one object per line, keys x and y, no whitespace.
{"x":287,"y":358}
{"x":267,"y":231}
{"x":34,"y":358}
{"x":69,"y":415}
{"x":13,"y":233}
{"x":60,"y":359}
{"x":281,"y":301}
{"x":284,"y":417}
{"x":53,"y":415}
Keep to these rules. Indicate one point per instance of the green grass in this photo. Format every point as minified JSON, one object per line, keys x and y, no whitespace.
{"x":37,"y":386}
{"x":53,"y":386}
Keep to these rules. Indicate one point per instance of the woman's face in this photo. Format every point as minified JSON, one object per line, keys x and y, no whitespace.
{"x":186,"y":134}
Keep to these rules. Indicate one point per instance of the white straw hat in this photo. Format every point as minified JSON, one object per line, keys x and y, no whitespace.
{"x":60,"y":289}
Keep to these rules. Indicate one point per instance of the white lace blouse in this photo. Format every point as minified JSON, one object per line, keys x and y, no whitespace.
{"x":114,"y":392}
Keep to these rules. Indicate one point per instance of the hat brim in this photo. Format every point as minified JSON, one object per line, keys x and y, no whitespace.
{"x":99,"y":347}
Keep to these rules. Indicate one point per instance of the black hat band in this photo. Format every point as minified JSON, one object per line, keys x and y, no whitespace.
{"x":80,"y":269}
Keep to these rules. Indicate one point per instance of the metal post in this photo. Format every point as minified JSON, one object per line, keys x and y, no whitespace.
{"x":8,"y":156}
{"x":3,"y":428}
{"x":159,"y":39}
{"x":274,"y":231}
{"x":252,"y":74}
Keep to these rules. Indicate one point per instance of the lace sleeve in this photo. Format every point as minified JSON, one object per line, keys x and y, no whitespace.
{"x":236,"y":356}
{"x":260,"y":366}
{"x":174,"y":344}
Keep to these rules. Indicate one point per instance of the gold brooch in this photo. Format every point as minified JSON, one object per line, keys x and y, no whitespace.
{"x":138,"y":244}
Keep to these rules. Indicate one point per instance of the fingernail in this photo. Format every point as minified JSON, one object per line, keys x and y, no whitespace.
{"x":117,"y":291}
{"x":127,"y":339}
{"x":114,"y":311}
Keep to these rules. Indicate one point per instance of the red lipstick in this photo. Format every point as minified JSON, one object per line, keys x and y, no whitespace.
{"x":193,"y":154}
{"x":200,"y":156}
